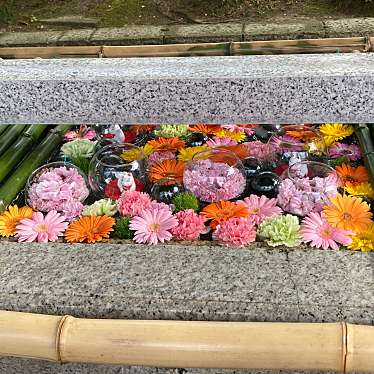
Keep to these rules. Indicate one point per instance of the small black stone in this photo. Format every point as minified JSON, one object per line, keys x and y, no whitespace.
{"x":265,"y":183}
{"x":197,"y":139}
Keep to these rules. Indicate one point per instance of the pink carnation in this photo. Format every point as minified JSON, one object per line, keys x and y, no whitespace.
{"x":259,"y":150}
{"x":41,"y":229}
{"x":235,"y":231}
{"x":320,"y":234}
{"x":190,"y":225}
{"x":153,"y":225}
{"x":261,"y":208}
{"x":131,"y":203}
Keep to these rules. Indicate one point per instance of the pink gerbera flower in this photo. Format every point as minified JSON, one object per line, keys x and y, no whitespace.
{"x":157,"y":157}
{"x":261,"y":208}
{"x":41,"y":229}
{"x":351,"y":151}
{"x":320,"y":234}
{"x":131,"y":203}
{"x":190,"y":225}
{"x":84,"y":132}
{"x":153,"y":225}
{"x":219,"y":142}
{"x":235,"y":231}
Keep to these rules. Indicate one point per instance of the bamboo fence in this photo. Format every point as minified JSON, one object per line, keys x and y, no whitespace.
{"x":233,"y":345}
{"x":328,"y":45}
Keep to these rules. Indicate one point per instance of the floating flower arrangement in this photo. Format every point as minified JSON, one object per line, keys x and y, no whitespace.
{"x":232,"y":184}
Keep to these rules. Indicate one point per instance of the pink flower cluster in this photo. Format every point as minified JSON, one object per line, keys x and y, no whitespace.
{"x":235,"y":231}
{"x":213,"y":181}
{"x":131,"y":203}
{"x":259,"y":150}
{"x":61,"y":189}
{"x":190,"y":225}
{"x":303,"y":196}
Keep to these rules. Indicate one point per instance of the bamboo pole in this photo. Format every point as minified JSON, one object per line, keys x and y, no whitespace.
{"x":232,"y":345}
{"x":367,"y":147}
{"x":328,"y":45}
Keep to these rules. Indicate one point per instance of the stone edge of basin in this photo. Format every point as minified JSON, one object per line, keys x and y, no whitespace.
{"x":196,"y":33}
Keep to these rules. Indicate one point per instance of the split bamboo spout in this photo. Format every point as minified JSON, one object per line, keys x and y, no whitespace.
{"x":234,"y":345}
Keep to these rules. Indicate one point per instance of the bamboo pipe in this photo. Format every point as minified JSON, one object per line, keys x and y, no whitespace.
{"x":232,"y":345}
{"x":325,"y":45}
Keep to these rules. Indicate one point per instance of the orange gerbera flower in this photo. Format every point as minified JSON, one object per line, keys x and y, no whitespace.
{"x":224,"y":210}
{"x":241,"y":150}
{"x":89,"y":229}
{"x":142,"y":129}
{"x":352,"y":175}
{"x":166,"y":144}
{"x":205,"y":129}
{"x":11,"y":218}
{"x":172,"y":169}
{"x":348,"y":213}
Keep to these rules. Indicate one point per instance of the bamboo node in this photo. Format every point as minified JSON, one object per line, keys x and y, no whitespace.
{"x":58,"y":337}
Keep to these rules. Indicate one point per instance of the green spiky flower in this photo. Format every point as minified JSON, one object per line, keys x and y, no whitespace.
{"x":171,"y":131}
{"x":101,"y":207}
{"x":185,"y":200}
{"x":79,"y":148}
{"x":281,"y":230}
{"x":122,"y":230}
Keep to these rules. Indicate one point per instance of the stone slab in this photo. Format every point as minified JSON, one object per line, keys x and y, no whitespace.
{"x":349,"y":27}
{"x":240,"y":89}
{"x":181,"y":282}
{"x":75,"y":37}
{"x":129,"y":35}
{"x":221,"y":32}
{"x":284,"y":30}
{"x":29,"y":39}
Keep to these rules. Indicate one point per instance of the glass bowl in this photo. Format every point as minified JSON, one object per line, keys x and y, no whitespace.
{"x":307,"y":187}
{"x":215,"y":174}
{"x":59,"y":186}
{"x":296,"y":143}
{"x":117,"y":167}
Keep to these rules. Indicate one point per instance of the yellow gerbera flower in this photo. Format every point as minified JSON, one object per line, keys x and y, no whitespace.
{"x":363,"y":241}
{"x":11,"y":217}
{"x":239,"y":136}
{"x":362,"y":189}
{"x":332,"y":132}
{"x":186,"y":154}
{"x":134,"y":154}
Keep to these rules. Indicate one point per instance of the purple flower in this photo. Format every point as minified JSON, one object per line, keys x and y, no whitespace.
{"x":351,"y":151}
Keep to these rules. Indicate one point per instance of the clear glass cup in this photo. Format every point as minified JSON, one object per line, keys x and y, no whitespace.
{"x":118,"y":167}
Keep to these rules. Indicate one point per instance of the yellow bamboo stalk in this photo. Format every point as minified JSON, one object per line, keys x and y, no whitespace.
{"x":233,"y":345}
{"x":327,"y":45}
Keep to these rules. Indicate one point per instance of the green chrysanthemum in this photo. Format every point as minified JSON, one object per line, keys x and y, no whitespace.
{"x":122,"y":230}
{"x":281,"y":230}
{"x":185,"y":200}
{"x":171,"y":131}
{"x":101,"y":207}
{"x":79,"y":148}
